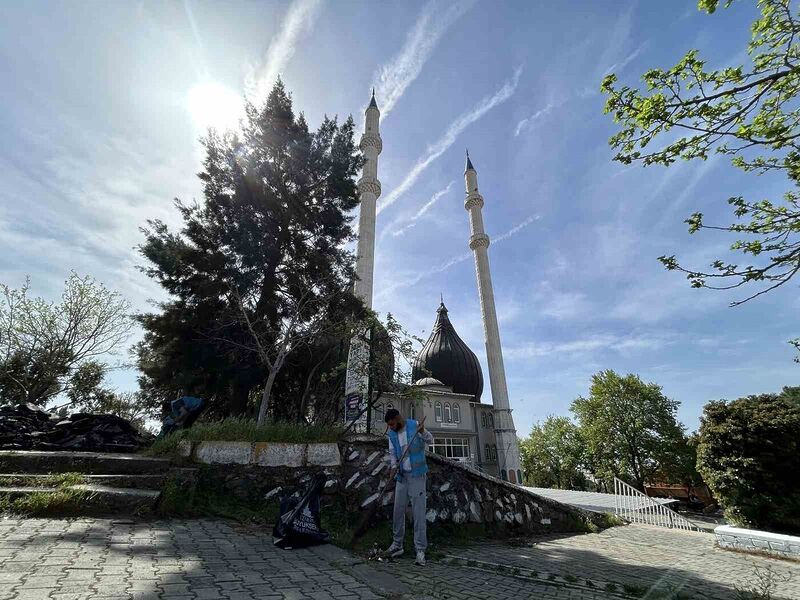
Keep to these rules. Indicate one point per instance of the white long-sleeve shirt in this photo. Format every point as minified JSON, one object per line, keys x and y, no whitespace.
{"x":426,"y":436}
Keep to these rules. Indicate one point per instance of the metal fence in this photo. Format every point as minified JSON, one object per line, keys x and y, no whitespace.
{"x":636,"y":507}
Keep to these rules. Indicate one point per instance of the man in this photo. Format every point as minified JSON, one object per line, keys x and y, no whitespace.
{"x":410,"y":481}
{"x":185,"y":411}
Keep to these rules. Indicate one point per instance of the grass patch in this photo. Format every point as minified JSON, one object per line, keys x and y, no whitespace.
{"x":63,"y":501}
{"x":234,"y":429}
{"x":634,"y":590}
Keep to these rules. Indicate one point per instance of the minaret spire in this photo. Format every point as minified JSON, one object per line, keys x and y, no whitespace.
{"x":505,"y":433}
{"x":369,"y":188}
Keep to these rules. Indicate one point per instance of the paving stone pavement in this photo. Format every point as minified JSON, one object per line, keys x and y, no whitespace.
{"x":216,"y":560}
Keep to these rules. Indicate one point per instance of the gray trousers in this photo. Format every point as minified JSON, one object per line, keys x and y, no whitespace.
{"x":411,"y":488}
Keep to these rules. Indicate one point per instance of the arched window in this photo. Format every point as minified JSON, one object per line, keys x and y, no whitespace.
{"x":488,"y":452}
{"x":483,"y":420}
{"x":503,"y":475}
{"x":519,"y":476}
{"x":456,"y":413}
{"x":494,"y":452}
{"x":437,"y":410}
{"x":448,"y":417}
{"x":491,"y":420}
{"x":412,"y":410}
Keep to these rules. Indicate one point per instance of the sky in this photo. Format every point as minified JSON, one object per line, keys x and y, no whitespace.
{"x":102,"y":105}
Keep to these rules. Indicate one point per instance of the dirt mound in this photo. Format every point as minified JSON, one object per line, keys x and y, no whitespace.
{"x":28,"y":427}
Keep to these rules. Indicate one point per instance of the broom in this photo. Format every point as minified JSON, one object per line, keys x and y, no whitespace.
{"x":365,"y":521}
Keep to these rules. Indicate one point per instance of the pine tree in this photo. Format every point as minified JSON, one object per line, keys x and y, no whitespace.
{"x":270,"y":231}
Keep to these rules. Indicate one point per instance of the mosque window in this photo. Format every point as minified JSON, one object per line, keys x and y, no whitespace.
{"x":503,"y":475}
{"x":456,"y":413}
{"x":519,"y":476}
{"x":412,"y":410}
{"x":488,"y":452}
{"x":491,"y":420}
{"x":483,"y":420}
{"x":494,"y":452}
{"x":454,"y":448}
{"x":448,"y":417}
{"x":437,"y":409}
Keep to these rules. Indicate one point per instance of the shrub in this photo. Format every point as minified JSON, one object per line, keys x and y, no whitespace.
{"x":749,"y":455}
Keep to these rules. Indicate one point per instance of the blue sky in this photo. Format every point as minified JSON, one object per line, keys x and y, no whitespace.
{"x":102,"y":104}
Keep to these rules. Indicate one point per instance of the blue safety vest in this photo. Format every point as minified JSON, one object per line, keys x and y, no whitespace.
{"x":417,"y":453}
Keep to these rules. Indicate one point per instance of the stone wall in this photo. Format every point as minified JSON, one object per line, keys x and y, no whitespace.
{"x":750,"y":540}
{"x":456,"y":493}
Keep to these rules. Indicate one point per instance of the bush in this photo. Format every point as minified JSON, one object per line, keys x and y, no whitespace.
{"x":749,"y":455}
{"x":247,"y":430}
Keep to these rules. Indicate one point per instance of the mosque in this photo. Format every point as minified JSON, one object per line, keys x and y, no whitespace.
{"x":446,"y":371}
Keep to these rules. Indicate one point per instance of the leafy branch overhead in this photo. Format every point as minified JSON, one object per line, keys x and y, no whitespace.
{"x":748,"y":114}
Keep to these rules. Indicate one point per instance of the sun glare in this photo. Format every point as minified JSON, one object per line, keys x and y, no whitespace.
{"x":214,"y":105}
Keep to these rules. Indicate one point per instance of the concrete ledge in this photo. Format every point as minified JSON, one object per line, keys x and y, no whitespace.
{"x":273,"y":454}
{"x":752,"y":540}
{"x":323,"y":455}
{"x":263,"y":454}
{"x":224,"y":453}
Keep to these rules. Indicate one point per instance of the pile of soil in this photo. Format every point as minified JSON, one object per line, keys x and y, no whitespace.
{"x":28,"y":427}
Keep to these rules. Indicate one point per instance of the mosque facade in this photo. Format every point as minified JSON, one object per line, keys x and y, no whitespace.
{"x":447,"y":377}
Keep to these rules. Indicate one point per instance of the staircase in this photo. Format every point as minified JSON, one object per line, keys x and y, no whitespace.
{"x":89,"y":483}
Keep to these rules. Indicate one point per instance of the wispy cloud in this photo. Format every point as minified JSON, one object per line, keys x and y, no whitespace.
{"x":425,"y":208}
{"x":454,"y":260}
{"x":516,"y":229}
{"x":619,"y":66}
{"x":298,"y":21}
{"x":594,"y":343}
{"x":529,"y":121}
{"x":441,"y":145}
{"x":394,"y":77}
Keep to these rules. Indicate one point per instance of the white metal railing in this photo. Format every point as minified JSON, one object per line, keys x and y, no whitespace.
{"x":636,"y":507}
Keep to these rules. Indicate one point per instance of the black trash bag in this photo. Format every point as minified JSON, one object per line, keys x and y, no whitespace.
{"x":299,"y":525}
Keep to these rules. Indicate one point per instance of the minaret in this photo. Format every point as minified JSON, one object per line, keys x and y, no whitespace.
{"x":505,"y":433}
{"x":369,"y":188}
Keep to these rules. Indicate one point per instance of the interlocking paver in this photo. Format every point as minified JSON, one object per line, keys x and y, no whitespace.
{"x":211,"y":560}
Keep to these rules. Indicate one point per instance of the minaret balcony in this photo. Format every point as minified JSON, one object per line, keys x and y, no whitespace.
{"x":371,"y":140}
{"x":473,"y":200}
{"x":369,"y":184}
{"x":478,"y":240}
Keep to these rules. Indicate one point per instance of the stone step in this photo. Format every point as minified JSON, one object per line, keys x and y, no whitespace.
{"x":99,"y":500}
{"x":42,"y":462}
{"x":114,"y":500}
{"x":141,"y":482}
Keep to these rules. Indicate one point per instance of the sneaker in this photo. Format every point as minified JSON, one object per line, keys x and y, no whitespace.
{"x":394,"y":550}
{"x":420,"y":559}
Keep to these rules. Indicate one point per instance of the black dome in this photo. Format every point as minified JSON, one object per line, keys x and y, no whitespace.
{"x":447,"y":358}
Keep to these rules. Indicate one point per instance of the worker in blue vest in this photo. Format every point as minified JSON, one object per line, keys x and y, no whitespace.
{"x":411,"y":478}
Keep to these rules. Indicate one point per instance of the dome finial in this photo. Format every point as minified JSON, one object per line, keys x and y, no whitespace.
{"x":469,"y":166}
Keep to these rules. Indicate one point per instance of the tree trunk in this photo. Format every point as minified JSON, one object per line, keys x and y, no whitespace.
{"x":262,"y":410}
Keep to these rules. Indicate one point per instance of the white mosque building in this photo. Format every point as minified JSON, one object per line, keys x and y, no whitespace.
{"x":445,"y":370}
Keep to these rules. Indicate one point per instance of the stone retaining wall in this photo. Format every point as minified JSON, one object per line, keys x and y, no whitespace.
{"x":757,"y":541}
{"x":456,"y":493}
